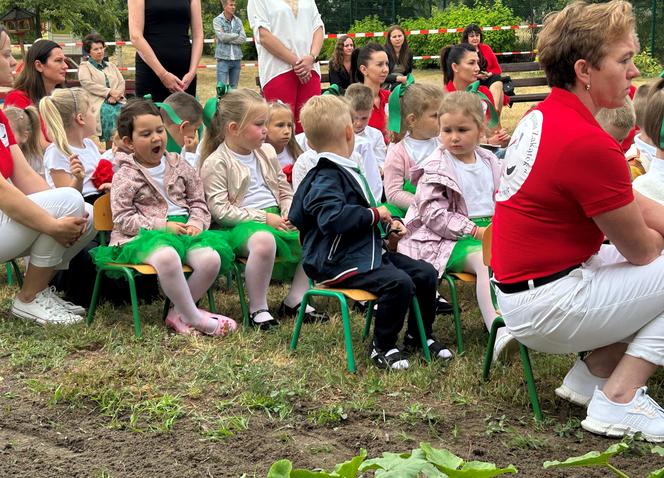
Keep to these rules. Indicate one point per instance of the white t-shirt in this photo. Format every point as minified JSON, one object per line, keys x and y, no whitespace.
{"x":157,"y":175}
{"x":651,"y":184}
{"x":285,"y":158}
{"x":192,"y":158}
{"x":420,"y":149}
{"x":305,"y":163}
{"x":294,"y":31}
{"x":301,"y":139}
{"x":476,"y":183}
{"x":258,"y":196}
{"x":369,"y":165}
{"x":57,"y":160}
{"x":375,"y":138}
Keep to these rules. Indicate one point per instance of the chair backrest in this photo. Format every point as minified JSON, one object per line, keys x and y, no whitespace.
{"x":103,"y":219}
{"x":486,"y":246}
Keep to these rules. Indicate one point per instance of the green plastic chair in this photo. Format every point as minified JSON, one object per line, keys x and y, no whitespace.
{"x":523,"y":350}
{"x":103,"y":223}
{"x":358,"y":295}
{"x":451,"y":278}
{"x":14,"y":271}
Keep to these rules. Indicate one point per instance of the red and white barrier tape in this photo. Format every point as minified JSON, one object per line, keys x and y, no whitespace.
{"x":435,"y":31}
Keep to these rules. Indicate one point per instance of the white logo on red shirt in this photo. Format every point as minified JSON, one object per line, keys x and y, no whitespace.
{"x":3,"y":135}
{"x":521,"y":154}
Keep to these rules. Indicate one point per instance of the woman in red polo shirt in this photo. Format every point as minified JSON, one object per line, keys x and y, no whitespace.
{"x":460,"y":65}
{"x":49,"y":225}
{"x":564,"y":188}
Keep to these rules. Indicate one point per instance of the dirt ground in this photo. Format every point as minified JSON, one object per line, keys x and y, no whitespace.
{"x":42,"y":440}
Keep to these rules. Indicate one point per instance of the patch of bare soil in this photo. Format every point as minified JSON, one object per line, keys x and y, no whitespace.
{"x":41,"y":440}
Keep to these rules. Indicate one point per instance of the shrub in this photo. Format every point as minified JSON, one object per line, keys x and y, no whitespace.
{"x":367,"y":24}
{"x":647,"y":64}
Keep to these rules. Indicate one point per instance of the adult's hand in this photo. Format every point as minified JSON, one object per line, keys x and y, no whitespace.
{"x":171,"y":82}
{"x":304,"y":65}
{"x":67,"y":230}
{"x":187,"y":79}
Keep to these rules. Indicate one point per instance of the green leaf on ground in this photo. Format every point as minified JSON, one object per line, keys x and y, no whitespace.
{"x":350,"y":468}
{"x":658,"y":450}
{"x":657,"y":473}
{"x":593,"y":458}
{"x":280,"y":469}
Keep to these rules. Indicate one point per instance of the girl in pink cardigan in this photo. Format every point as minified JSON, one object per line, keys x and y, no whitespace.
{"x":454,"y":201}
{"x":160,"y":218}
{"x":417,"y":118}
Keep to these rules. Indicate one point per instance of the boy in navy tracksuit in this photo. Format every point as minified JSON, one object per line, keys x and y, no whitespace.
{"x":341,"y":239}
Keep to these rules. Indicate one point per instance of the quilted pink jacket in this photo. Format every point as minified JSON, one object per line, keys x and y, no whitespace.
{"x":438,"y":216}
{"x":396,"y":169}
{"x":136,"y":202}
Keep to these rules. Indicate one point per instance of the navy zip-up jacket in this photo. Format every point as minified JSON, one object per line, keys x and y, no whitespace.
{"x":338,"y":228}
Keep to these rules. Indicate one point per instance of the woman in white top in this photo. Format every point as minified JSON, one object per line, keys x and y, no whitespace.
{"x":288,"y":35}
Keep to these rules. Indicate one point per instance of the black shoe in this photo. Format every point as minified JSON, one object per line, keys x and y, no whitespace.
{"x":437,"y":349}
{"x":266,"y":325}
{"x":391,"y":359}
{"x":443,"y":307}
{"x":309,"y":317}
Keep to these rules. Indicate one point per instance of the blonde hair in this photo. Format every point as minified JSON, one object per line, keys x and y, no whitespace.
{"x":324,"y":119}
{"x":237,"y":106}
{"x":418,"y":98}
{"x":467,"y":103}
{"x":640,"y":103}
{"x":621,"y":119}
{"x":581,"y":31}
{"x":360,"y":97}
{"x":59,"y":110}
{"x":26,"y":122}
{"x":292,"y":146}
{"x":654,"y":114}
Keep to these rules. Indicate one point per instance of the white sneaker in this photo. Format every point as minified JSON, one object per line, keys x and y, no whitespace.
{"x":44,"y":310}
{"x":579,"y":384}
{"x":642,"y":415}
{"x":68,"y":306}
{"x":505,"y":346}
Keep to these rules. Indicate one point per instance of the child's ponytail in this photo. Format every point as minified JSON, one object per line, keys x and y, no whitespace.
{"x":26,"y":123}
{"x":59,"y":110}
{"x":235,"y":106}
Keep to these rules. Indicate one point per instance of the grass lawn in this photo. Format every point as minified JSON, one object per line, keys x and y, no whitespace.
{"x":98,"y":402}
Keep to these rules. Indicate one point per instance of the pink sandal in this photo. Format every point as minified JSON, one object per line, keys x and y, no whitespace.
{"x":225,"y":325}
{"x":174,"y":322}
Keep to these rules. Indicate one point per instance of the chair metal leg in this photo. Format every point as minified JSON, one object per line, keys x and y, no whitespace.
{"x":95,"y":297}
{"x":530,"y":381}
{"x":368,"y":317}
{"x":299,"y":320}
{"x":348,"y":337}
{"x":10,"y":274}
{"x":17,"y":273}
{"x":498,"y":322}
{"x":240,"y":292}
{"x":456,"y":313}
{"x":167,"y":305}
{"x":211,"y":302}
{"x":420,"y":328}
{"x":134,"y":301}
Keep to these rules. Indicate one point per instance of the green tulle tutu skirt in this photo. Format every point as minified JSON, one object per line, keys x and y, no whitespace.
{"x":464,"y":246}
{"x":146,"y":242}
{"x":289,"y":250}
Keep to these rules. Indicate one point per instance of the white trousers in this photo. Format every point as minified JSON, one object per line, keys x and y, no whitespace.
{"x":17,"y":240}
{"x":607,"y":300}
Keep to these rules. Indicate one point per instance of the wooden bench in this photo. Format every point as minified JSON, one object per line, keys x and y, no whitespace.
{"x":531,"y":66}
{"x":130,"y":86}
{"x":525,"y":82}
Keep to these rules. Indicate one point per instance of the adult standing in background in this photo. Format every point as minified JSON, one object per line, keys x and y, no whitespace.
{"x":288,"y":36}
{"x":166,"y":61}
{"x":230,"y":35}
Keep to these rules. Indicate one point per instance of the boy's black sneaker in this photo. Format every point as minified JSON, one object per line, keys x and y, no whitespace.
{"x":437,"y":349}
{"x":443,"y":307}
{"x":391,"y":359}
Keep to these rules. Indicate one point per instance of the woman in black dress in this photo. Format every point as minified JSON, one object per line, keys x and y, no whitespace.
{"x":340,"y":62}
{"x":166,"y":61}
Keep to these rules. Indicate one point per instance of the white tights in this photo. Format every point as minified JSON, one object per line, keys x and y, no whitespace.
{"x":261,"y":250}
{"x":474,"y":264}
{"x":183,"y":293}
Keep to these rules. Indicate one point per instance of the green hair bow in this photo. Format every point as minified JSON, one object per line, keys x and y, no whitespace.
{"x":210,"y":107}
{"x":333,"y":90}
{"x":494,"y":119}
{"x":394,"y":119}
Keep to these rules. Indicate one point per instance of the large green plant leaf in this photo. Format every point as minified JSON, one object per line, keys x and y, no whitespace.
{"x":440,"y":457}
{"x":280,"y":469}
{"x":657,"y":473}
{"x":393,"y":465}
{"x":594,"y":458}
{"x":350,"y":468}
{"x":658,"y":450}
